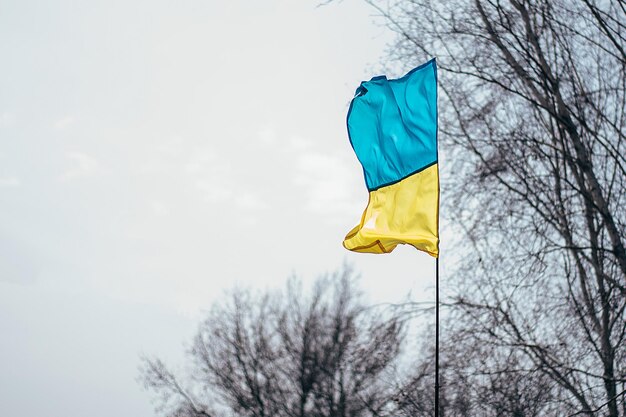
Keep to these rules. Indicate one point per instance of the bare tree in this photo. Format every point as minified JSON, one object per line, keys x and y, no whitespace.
{"x":286,"y":354}
{"x":477,"y":381}
{"x":532,"y":116}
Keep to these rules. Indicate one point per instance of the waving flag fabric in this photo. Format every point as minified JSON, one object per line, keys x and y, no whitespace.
{"x":392,"y":125}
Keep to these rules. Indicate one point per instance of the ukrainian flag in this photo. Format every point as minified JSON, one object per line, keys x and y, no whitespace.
{"x":392,"y":125}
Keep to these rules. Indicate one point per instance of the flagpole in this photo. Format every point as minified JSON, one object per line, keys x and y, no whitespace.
{"x":437,"y":337}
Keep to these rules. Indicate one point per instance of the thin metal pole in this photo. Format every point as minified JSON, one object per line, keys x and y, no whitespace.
{"x":437,"y":337}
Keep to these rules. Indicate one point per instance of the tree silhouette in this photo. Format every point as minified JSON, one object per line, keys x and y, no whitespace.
{"x":286,"y":354}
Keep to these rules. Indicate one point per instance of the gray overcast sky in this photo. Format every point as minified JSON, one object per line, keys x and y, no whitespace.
{"x":155,"y":153}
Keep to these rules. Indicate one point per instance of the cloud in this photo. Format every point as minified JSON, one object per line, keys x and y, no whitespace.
{"x":7,"y":119}
{"x":267,"y":136}
{"x":19,"y":261}
{"x":10,"y":182}
{"x":213,"y":177}
{"x":218,"y":192}
{"x":159,"y":209}
{"x":299,"y":144}
{"x":204,"y":160}
{"x":64,"y":122}
{"x":210,"y":175}
{"x":329,"y":183}
{"x":214,"y":191}
{"x":250,"y":202}
{"x":84,"y":165}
